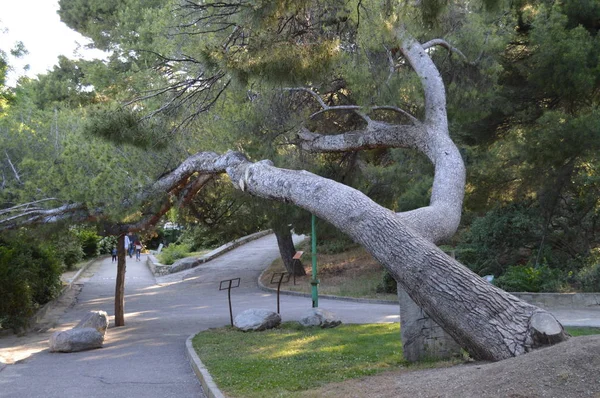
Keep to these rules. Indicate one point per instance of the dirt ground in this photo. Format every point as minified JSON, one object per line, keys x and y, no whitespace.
{"x":567,"y":370}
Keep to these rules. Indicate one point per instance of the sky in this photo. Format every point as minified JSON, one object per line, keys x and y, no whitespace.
{"x":38,"y":26}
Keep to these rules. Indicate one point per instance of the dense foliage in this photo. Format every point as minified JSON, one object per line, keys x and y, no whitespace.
{"x":533,"y":164}
{"x":182,"y":77}
{"x":29,"y":277}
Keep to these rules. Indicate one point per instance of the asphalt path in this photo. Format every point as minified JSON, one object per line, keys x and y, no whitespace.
{"x":146,"y":357}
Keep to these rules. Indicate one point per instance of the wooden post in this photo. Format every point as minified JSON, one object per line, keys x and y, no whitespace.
{"x":120,"y":285}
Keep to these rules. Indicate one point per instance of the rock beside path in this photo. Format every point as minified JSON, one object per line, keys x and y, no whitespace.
{"x":257,"y":319}
{"x":320,"y":317}
{"x":76,"y":339}
{"x":87,"y":335}
{"x":95,"y":319}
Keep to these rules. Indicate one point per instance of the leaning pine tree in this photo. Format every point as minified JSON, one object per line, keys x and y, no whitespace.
{"x":486,"y":321}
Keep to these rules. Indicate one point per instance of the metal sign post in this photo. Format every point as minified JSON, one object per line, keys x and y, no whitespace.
{"x":281,"y":275}
{"x":314,"y":281}
{"x":229,"y":284}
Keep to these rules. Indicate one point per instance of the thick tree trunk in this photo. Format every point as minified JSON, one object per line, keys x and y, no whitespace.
{"x":120,"y":285}
{"x":486,"y":321}
{"x":287,"y":251}
{"x":422,"y":338}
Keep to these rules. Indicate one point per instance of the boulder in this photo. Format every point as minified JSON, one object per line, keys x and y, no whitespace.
{"x":320,"y":317}
{"x":256,"y":319}
{"x":95,"y":319}
{"x":76,"y":339}
{"x":183,"y":264}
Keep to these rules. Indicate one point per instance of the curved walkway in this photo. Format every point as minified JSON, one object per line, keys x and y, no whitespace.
{"x":147,"y":357}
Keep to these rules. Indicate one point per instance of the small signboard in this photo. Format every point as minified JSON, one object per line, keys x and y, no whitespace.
{"x":298,"y":255}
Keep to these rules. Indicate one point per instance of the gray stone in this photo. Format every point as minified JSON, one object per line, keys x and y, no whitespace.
{"x":184,"y":263}
{"x":256,"y":319}
{"x":320,"y":317}
{"x":76,"y":339}
{"x":95,"y":319}
{"x":422,"y":338}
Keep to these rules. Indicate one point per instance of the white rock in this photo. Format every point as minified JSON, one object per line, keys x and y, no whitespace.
{"x":320,"y":317}
{"x":257,"y":319}
{"x":95,"y":319}
{"x":76,"y":339}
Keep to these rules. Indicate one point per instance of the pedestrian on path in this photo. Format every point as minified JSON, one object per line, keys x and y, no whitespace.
{"x":138,"y":250}
{"x":114,"y":254}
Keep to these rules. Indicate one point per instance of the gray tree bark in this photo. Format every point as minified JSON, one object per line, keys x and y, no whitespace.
{"x":486,"y":321}
{"x":120,"y":282}
{"x":287,"y":251}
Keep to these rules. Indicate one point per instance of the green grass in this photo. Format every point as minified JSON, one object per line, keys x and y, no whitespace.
{"x":285,"y":361}
{"x":581,"y":331}
{"x":292,"y":358}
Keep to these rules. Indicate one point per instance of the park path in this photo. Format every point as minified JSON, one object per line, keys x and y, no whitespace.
{"x":146,"y":358}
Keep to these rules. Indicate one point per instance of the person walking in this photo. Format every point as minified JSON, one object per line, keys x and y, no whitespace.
{"x":114,"y":254}
{"x":138,"y":250}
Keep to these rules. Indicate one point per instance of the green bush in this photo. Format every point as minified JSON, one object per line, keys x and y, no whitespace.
{"x":173,"y":252}
{"x":89,"y":241}
{"x":388,"y":284}
{"x":106,"y":244}
{"x":29,"y":277}
{"x":71,"y":254}
{"x":335,"y":244}
{"x":588,"y":278}
{"x":527,"y":278}
{"x":502,"y":238}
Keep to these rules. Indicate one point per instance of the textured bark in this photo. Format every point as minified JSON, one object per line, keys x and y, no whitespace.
{"x":120,"y":284}
{"x":488,"y":322}
{"x":441,"y":218}
{"x":287,"y":251}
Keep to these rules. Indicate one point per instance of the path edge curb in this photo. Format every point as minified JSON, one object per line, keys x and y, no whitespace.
{"x":155,"y":266}
{"x":208,"y":385}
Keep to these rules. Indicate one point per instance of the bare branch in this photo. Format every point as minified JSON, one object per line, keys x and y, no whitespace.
{"x":15,"y":208}
{"x":17,"y":177}
{"x":446,"y":45}
{"x":311,"y":92}
{"x":413,"y":119}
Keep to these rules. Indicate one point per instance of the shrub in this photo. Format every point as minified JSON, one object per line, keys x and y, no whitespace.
{"x":71,"y":254}
{"x":388,"y":284}
{"x":106,"y":244}
{"x":173,"y":252}
{"x":335,"y":244}
{"x":527,"y":278}
{"x":502,"y":238}
{"x":29,"y":277}
{"x":88,"y":240}
{"x":588,"y":278}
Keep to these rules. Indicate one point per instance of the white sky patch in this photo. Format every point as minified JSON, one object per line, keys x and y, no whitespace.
{"x":37,"y":24}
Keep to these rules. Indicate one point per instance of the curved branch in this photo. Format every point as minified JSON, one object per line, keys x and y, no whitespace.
{"x":431,"y":81}
{"x":446,"y":45}
{"x":495,"y":328}
{"x":376,"y":135}
{"x":73,"y":211}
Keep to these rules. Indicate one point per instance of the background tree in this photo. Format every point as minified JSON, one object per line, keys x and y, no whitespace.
{"x":534,"y":161}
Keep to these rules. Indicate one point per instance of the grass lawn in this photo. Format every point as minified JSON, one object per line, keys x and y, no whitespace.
{"x":581,"y":330}
{"x":281,"y":362}
{"x":285,"y":361}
